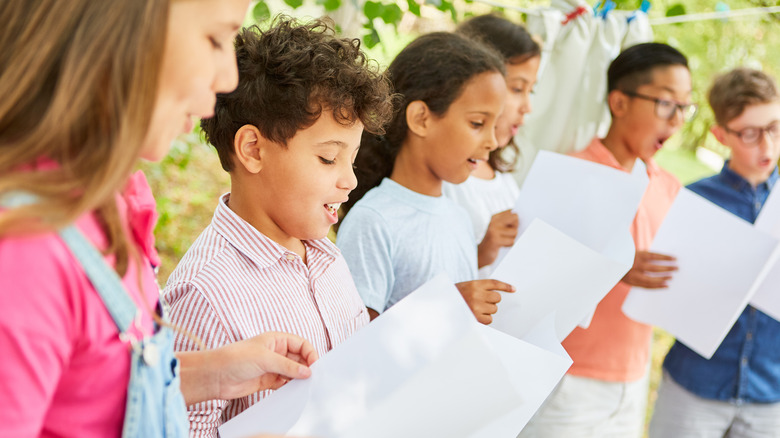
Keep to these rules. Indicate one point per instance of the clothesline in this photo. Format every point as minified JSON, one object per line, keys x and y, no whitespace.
{"x":665,"y":20}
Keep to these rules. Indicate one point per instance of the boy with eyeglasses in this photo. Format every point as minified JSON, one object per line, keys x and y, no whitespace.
{"x":605,"y":391}
{"x":737,"y":391}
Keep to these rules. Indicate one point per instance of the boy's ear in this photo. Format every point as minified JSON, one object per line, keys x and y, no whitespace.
{"x":618,"y":103}
{"x":418,"y":117}
{"x":247,"y":145}
{"x":720,"y":134}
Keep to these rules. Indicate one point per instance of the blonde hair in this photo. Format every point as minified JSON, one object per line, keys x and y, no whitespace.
{"x":78,"y":81}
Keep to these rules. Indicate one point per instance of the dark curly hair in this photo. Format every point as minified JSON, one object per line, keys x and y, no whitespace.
{"x":289,"y":74}
{"x":434,"y":68}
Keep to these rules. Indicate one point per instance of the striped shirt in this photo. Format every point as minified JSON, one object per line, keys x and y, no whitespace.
{"x":235,"y":283}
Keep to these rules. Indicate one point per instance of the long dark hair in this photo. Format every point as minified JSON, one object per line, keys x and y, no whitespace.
{"x":434,"y":69}
{"x":517,"y":46}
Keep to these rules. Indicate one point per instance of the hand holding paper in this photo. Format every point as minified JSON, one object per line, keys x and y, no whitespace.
{"x":411,"y":373}
{"x":651,"y":270}
{"x":575,"y":243}
{"x":482,"y":297}
{"x":710,"y":291}
{"x":501,"y":232}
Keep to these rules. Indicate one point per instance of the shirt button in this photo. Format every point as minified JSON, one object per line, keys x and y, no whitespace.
{"x":290,"y":256}
{"x":749,"y":336}
{"x":744,"y":361}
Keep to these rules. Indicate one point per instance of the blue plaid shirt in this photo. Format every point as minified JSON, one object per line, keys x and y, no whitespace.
{"x":746,"y":366}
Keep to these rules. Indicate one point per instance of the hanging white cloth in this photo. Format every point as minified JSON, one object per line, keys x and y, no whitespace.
{"x":569,"y":103}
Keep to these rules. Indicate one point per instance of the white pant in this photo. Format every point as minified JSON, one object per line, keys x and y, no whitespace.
{"x":681,"y":414}
{"x":582,"y":407}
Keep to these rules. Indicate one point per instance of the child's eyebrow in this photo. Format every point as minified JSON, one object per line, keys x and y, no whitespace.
{"x":338,"y":143}
{"x":672,"y":90}
{"x":232,"y":26}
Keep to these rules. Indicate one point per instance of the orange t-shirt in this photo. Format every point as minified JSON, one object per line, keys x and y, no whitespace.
{"x":614,"y":347}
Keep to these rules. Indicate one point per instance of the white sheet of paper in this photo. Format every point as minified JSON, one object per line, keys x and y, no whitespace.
{"x":552,"y":273}
{"x":540,"y":363}
{"x":721,"y":261}
{"x":768,"y":219}
{"x":424,"y":365}
{"x":767,"y":297}
{"x":585,"y":200}
{"x":428,"y":404}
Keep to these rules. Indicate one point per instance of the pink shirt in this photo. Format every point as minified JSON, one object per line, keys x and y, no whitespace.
{"x":614,"y":347}
{"x":64,"y":371}
{"x":235,"y":283}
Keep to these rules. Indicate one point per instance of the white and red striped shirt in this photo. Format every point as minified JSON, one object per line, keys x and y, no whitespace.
{"x":235,"y":283}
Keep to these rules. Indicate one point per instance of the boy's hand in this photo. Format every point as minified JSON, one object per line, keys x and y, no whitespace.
{"x":648,"y":273}
{"x":501,"y":231}
{"x":266,"y":361}
{"x":482,"y":297}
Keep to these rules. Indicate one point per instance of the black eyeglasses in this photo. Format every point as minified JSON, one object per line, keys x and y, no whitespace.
{"x":667,"y":109}
{"x":752,"y":135}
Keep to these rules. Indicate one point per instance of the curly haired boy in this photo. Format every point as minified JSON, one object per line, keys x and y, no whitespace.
{"x":288,"y":136}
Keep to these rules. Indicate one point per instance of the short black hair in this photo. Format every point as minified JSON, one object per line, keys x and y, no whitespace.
{"x":634,"y":66}
{"x":289,"y":74}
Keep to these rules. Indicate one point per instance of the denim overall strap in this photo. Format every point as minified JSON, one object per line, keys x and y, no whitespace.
{"x":105,"y":281}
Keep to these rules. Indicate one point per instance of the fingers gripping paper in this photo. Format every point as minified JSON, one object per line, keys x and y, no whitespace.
{"x":575,"y":242}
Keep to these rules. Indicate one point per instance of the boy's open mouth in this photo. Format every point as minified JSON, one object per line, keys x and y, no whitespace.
{"x":333,"y":208}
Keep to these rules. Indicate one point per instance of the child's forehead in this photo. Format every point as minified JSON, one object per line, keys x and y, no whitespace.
{"x":672,"y":78}
{"x":758,"y":114}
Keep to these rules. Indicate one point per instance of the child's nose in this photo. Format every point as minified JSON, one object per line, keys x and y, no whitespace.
{"x":491,"y":141}
{"x":226,"y":76}
{"x":348,"y":180}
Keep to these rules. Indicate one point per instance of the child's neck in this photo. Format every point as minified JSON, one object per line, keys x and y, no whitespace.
{"x":614,"y":143}
{"x":484,"y":171}
{"x":753,"y":178}
{"x":246,"y":207}
{"x":412,"y":172}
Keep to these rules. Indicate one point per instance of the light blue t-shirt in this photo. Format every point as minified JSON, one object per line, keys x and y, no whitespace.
{"x":394,"y":240}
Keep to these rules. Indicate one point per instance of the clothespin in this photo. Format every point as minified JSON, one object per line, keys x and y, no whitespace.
{"x":608,"y":6}
{"x":596,"y":8}
{"x":581,"y":10}
{"x":643,"y":8}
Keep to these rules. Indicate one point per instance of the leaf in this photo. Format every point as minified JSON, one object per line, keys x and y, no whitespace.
{"x":414,"y":7}
{"x":295,"y":4}
{"x":261,"y":12}
{"x":371,"y":39}
{"x":373,"y":9}
{"x":448,"y":6}
{"x":331,"y":5}
{"x":675,"y":10}
{"x":392,"y":14}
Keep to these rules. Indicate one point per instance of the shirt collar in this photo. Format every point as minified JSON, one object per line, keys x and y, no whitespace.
{"x":258,"y":247}
{"x":739,"y":183}
{"x":430,"y":204}
{"x":600,"y":152}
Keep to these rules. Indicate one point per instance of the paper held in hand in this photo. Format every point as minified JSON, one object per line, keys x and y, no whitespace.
{"x":423,"y":368}
{"x":724,"y":263}
{"x":574,"y":245}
